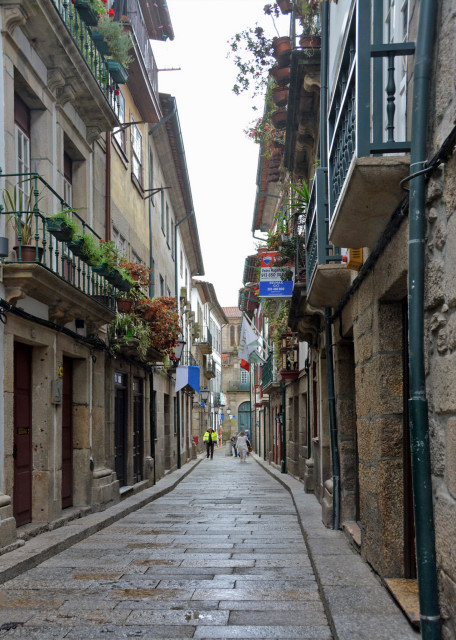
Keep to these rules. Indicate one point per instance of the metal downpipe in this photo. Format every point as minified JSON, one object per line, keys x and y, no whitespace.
{"x":418,"y":408}
{"x":332,"y":420}
{"x":284,"y":430}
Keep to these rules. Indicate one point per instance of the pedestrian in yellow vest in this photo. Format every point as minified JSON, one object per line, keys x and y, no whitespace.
{"x":210,"y":438}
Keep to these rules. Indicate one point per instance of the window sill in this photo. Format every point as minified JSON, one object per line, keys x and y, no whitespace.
{"x":138,"y":185}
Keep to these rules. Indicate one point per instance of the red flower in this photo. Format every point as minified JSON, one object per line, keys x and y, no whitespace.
{"x":116,"y":92}
{"x":111,"y":13}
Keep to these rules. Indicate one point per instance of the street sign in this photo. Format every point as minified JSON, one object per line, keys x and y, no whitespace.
{"x":272,"y":284}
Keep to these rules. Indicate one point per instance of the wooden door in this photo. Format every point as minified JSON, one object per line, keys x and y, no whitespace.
{"x":120,"y":427}
{"x":22,"y":441}
{"x":67,"y":434}
{"x":138,"y":429}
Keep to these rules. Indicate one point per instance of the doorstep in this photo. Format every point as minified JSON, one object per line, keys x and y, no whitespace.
{"x":405,"y":592}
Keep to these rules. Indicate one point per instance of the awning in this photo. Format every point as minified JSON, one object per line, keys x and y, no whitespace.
{"x":188,"y":376}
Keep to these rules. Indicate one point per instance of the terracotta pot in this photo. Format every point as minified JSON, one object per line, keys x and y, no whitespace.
{"x":280,"y":96}
{"x":310,"y":42}
{"x":279,"y":118}
{"x":28,"y":252}
{"x":285,"y":6}
{"x":124,"y":305}
{"x":281,"y":46}
{"x":277,"y":150}
{"x":281,"y":75}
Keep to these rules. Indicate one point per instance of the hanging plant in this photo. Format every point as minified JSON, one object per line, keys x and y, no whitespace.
{"x":119,"y":41}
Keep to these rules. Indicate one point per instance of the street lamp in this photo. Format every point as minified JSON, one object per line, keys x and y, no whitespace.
{"x":228,"y":410}
{"x":178,"y":350}
{"x":204,"y":393}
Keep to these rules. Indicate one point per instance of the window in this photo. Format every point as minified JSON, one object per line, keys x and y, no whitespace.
{"x":232,"y":336}
{"x":119,"y":241}
{"x":22,"y":141}
{"x":162,"y":195}
{"x":136,"y":153}
{"x":172,"y":239}
{"x":119,"y":109}
{"x":245,"y":376}
{"x":181,"y":260}
{"x":67,"y":179}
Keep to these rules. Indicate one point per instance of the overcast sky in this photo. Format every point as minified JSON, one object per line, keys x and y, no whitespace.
{"x":221,"y":160}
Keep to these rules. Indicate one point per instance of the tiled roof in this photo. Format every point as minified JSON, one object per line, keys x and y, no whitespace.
{"x":232,"y":312}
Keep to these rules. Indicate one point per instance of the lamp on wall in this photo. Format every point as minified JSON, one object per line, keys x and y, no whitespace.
{"x":178,"y":349}
{"x":228,"y":410}
{"x":204,"y":393}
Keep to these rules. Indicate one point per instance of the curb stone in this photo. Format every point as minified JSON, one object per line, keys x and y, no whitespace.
{"x":48,"y":544}
{"x":357,"y":605}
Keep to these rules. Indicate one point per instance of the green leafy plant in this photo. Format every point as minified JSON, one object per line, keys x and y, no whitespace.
{"x":21,"y":202}
{"x":308,"y":12}
{"x":62,"y":225}
{"x":119,"y":41}
{"x":87,"y":247}
{"x":130,"y":329}
{"x":110,"y":253}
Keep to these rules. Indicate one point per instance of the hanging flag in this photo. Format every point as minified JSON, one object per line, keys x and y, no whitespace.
{"x":245,"y":365}
{"x":248,"y":340}
{"x":188,"y":376}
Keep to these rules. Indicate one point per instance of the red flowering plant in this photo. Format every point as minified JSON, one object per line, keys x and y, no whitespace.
{"x":163,"y":318}
{"x":138,"y":271}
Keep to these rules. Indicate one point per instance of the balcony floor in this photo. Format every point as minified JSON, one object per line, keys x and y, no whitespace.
{"x":371,"y":193}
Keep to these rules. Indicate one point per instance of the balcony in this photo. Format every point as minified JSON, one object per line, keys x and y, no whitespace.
{"x":368,"y":146}
{"x":251,"y":269}
{"x":248,"y":301}
{"x":47,"y":269}
{"x":77,"y":71}
{"x":203,"y":339}
{"x":209,"y":367}
{"x":327,"y":277}
{"x":234,"y":386}
{"x":269,"y":374}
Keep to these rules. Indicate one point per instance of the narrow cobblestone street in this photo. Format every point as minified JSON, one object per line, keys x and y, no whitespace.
{"x":221,"y":556}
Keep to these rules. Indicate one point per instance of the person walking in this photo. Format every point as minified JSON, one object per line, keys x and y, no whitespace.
{"x":242,"y":446}
{"x":233,"y":439}
{"x":210,"y":438}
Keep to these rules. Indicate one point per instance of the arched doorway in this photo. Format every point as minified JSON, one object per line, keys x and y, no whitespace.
{"x":244,"y":417}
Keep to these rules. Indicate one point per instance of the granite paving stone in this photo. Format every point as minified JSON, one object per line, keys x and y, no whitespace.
{"x":180,"y":563}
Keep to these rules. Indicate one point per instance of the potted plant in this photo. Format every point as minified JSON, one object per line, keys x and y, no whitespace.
{"x":85,"y":246}
{"x":119,"y":45}
{"x":253,"y":54}
{"x":128,"y":332}
{"x":88,"y":10}
{"x":309,"y":17}
{"x":21,"y":203}
{"x":62,"y":226}
{"x":139,"y":272}
{"x":161,"y":314}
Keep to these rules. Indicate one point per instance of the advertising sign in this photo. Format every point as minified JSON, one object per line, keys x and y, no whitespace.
{"x":272,"y":284}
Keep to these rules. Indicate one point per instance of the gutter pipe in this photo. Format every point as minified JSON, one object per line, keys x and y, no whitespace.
{"x":284,"y":430}
{"x":418,"y":407}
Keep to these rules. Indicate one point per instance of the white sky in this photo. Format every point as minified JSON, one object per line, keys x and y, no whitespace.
{"x":221,"y":160}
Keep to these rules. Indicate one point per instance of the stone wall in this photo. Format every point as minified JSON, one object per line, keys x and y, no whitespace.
{"x":440,"y":315}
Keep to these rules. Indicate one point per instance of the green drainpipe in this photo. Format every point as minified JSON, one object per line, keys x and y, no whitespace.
{"x":418,"y":408}
{"x":284,"y":430}
{"x":332,"y":421}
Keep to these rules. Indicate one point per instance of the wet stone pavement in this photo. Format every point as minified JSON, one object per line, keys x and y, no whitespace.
{"x":220,"y":556}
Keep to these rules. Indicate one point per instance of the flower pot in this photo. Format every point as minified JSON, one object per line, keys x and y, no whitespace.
{"x":28,"y":253}
{"x":310,"y":42}
{"x":124,"y":305}
{"x":279,"y":118}
{"x":280,"y":96}
{"x":100,"y":43}
{"x":117,"y":72}
{"x":4,"y":247}
{"x":281,"y":75}
{"x":86,"y":13}
{"x":285,"y":6}
{"x":281,"y":46}
{"x":59,"y":229}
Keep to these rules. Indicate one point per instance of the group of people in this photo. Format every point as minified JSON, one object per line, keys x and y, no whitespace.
{"x":241,"y":445}
{"x":239,"y":441}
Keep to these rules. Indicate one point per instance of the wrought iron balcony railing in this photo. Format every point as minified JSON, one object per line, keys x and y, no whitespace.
{"x":209,"y":367}
{"x":82,"y":35}
{"x":251,"y":269}
{"x":204,"y":337}
{"x":365,"y":111}
{"x":318,"y":249}
{"x":52,"y":254}
{"x":237,"y":385}
{"x":268,"y":371}
{"x":187,"y":360}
